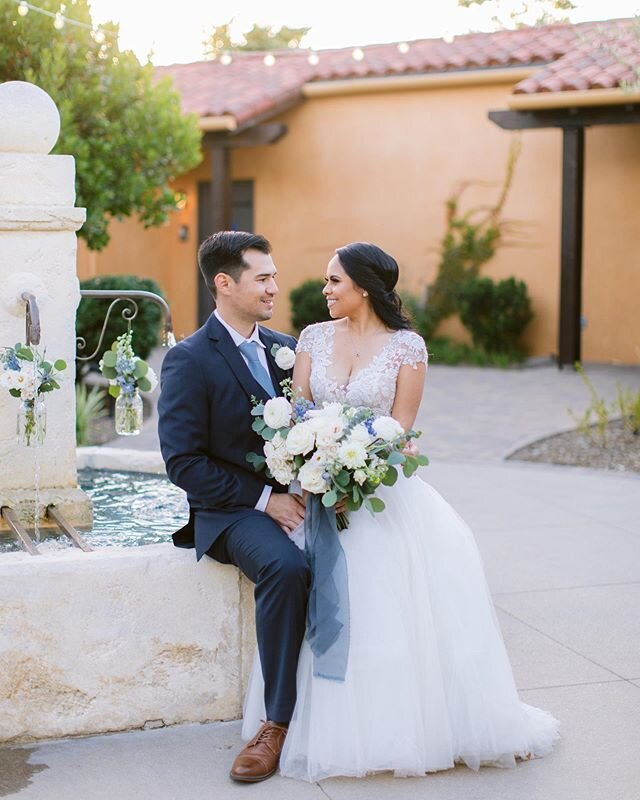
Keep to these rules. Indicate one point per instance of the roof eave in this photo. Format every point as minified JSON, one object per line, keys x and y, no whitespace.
{"x":573,"y":99}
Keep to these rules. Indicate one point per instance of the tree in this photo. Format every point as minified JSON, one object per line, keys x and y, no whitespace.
{"x":536,"y":12}
{"x":260,"y":38}
{"x":126,"y":132}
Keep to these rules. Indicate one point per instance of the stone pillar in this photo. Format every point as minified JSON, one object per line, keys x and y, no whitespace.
{"x":38,"y":224}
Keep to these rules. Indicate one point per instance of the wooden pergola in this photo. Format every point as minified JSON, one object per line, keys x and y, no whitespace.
{"x":572,"y":121}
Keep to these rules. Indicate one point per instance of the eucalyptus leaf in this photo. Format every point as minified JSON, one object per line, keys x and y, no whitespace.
{"x":396,"y":457}
{"x":376,"y":504}
{"x":141,"y":368}
{"x":114,"y":391}
{"x":258,"y":425}
{"x":268,"y":433}
{"x":60,"y":364}
{"x":144,"y":384}
{"x":109,"y":358}
{"x":329,"y":498}
{"x":390,"y":476}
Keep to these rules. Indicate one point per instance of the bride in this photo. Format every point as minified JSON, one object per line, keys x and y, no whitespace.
{"x":428,"y":682}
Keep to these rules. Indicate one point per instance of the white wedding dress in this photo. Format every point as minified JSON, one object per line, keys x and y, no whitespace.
{"x":428,"y":682}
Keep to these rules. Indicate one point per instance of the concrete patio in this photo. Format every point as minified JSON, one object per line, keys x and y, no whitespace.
{"x":561,"y":547}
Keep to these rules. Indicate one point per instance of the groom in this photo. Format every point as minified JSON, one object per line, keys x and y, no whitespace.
{"x":237,"y":516}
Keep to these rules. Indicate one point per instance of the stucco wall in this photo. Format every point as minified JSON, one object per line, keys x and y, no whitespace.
{"x":380,"y":167}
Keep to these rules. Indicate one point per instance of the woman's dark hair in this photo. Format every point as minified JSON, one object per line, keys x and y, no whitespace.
{"x":224,"y":252}
{"x":376,"y":272}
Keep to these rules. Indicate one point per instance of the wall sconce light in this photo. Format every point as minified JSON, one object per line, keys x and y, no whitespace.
{"x":183,"y":233}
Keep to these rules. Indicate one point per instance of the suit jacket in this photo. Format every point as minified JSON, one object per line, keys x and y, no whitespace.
{"x":205,"y":429}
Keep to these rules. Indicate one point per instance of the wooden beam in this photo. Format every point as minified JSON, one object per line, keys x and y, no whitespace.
{"x":567,"y":117}
{"x":267,"y":133}
{"x":220,"y":189}
{"x":571,"y":246}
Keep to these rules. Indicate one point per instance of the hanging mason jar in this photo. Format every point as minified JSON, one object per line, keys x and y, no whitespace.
{"x":129,"y":413}
{"x":32,"y":422}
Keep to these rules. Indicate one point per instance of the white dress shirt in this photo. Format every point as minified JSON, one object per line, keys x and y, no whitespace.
{"x":238,"y":339}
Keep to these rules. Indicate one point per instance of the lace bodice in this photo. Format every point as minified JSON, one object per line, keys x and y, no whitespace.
{"x":373,"y":386}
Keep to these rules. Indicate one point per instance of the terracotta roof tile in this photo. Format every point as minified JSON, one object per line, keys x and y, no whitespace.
{"x":589,"y":55}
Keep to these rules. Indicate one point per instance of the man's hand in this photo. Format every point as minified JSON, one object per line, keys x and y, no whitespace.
{"x":286,"y":509}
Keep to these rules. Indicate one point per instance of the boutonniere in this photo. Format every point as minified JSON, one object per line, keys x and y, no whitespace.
{"x":284,"y":357}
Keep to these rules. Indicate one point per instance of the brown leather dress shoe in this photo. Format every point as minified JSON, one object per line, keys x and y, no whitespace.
{"x":259,"y":758}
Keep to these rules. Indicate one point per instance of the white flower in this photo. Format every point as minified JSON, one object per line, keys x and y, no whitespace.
{"x":151,"y":376}
{"x":387,"y":428}
{"x":284,"y":473}
{"x":352,"y":455}
{"x":300,"y":439}
{"x":285,"y":357}
{"x":361,"y":434}
{"x":311,"y":477}
{"x":360,"y":476}
{"x":277,"y":412}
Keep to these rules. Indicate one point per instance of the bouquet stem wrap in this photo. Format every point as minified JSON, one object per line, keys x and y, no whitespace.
{"x":328,"y":609}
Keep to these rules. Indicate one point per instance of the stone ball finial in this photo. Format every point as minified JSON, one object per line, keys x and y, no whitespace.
{"x":30,"y":119}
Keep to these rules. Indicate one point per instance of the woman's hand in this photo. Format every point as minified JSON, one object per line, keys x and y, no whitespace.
{"x":410,"y":449}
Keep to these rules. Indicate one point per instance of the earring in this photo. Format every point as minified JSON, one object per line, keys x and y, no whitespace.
{"x":365,"y":294}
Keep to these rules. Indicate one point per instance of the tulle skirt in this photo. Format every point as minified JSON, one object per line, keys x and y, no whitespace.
{"x":428,"y":682}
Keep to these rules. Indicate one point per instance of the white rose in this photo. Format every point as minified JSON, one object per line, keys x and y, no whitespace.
{"x":352,"y":455}
{"x":284,"y":474}
{"x":277,"y":412}
{"x":311,"y":477}
{"x":300,"y":439}
{"x":359,"y":476}
{"x":387,"y":428}
{"x":285,"y":357}
{"x":361,"y":434}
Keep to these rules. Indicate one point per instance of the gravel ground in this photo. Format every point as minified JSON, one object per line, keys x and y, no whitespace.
{"x":620,"y":451}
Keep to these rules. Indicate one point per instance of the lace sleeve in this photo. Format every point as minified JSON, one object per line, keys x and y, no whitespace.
{"x":412,"y":350}
{"x":307,"y":340}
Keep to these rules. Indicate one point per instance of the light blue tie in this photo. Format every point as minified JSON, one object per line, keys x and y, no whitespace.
{"x":250,"y":351}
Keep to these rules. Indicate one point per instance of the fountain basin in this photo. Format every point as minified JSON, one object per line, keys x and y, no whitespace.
{"x":121,"y":637}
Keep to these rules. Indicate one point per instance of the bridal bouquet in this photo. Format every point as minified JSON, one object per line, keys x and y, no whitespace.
{"x":337,"y":451}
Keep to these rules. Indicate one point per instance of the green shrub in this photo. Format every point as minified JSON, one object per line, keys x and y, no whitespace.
{"x":308,"y":304}
{"x":91,"y":314}
{"x":495,"y":314}
{"x":443,"y":350}
{"x":91,"y":404}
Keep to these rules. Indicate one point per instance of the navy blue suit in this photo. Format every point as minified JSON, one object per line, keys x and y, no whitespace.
{"x":205,"y":434}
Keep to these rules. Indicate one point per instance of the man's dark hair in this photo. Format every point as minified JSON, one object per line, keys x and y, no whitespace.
{"x":224,"y":252}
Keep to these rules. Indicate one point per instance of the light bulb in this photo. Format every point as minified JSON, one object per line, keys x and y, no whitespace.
{"x":58,"y":23}
{"x":23,"y":9}
{"x":98,"y":36}
{"x":357,"y":54}
{"x":269,"y":60}
{"x":314,"y":59}
{"x":403,"y":47}
{"x":225,"y":59}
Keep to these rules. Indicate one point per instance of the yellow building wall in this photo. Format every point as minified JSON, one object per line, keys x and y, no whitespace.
{"x":379,"y":167}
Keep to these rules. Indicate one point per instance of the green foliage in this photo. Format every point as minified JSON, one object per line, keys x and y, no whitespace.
{"x":495,"y":314}
{"x":260,"y":38}
{"x":308,"y":304}
{"x":597,"y":408}
{"x":443,"y":350}
{"x":91,"y":315}
{"x":509,"y":15}
{"x":126,"y":132}
{"x":90,"y":405}
{"x":627,"y":404}
{"x":470,"y":241}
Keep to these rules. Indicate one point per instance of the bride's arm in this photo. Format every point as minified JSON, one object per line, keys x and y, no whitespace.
{"x":301,"y":374}
{"x":409,"y":387}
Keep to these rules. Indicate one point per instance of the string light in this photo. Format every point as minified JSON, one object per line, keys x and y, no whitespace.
{"x":403,"y":48}
{"x":314,"y":59}
{"x":269,"y":60}
{"x":60,"y":20}
{"x":225,"y":59}
{"x":358,"y":54}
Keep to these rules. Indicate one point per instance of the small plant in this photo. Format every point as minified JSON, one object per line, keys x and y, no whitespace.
{"x":90,"y":405}
{"x":308,"y":304}
{"x":495,"y":313}
{"x":597,"y":408}
{"x":627,"y":403}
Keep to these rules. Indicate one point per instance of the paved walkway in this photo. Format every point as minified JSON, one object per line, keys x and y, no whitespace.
{"x":561,"y":548}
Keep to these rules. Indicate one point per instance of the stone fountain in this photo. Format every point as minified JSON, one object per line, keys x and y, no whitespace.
{"x":38,"y":224}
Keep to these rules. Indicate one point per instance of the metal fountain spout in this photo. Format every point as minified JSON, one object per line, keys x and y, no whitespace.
{"x":33,"y":318}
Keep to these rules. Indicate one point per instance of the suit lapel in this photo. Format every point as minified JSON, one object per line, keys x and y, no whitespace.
{"x":277,"y":374}
{"x":228,"y":350}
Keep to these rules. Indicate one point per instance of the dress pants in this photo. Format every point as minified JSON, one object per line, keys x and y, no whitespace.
{"x":279,"y":570}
